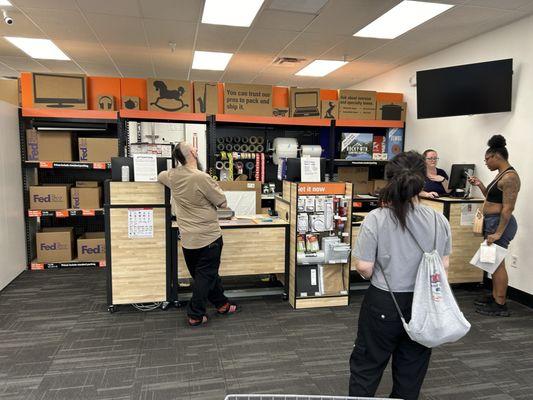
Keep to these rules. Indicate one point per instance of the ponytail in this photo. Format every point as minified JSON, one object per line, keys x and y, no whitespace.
{"x":406,"y":174}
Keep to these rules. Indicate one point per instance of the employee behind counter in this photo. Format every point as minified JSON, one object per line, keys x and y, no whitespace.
{"x":436,"y":183}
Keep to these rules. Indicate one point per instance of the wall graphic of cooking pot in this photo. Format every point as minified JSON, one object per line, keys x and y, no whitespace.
{"x":391,"y":112}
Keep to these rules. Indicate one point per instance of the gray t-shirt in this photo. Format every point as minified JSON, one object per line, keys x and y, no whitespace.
{"x":397,"y":252}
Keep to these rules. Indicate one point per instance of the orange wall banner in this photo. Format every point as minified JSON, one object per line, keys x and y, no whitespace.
{"x":321,"y":188}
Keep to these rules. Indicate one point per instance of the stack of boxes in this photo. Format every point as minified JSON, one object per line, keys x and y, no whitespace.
{"x":359,"y":176}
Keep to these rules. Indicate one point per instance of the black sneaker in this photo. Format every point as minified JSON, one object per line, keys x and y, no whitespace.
{"x":494,"y":310}
{"x":484,"y":300}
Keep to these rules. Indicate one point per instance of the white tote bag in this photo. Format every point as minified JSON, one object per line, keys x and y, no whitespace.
{"x":435,"y":316}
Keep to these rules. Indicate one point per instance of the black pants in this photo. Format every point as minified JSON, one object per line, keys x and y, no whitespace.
{"x":203,"y":266}
{"x":381,"y":335}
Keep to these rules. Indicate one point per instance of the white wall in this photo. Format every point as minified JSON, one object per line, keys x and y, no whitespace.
{"x":464,"y":139}
{"x":12,"y":235}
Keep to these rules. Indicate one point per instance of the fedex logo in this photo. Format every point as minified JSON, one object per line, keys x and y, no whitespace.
{"x":83,"y":153}
{"x":99,"y":249}
{"x":53,"y":246}
{"x":34,"y":152}
{"x":76,"y":200}
{"x":50,"y":198}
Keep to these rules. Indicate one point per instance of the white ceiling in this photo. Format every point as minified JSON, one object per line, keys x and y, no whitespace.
{"x":130,"y":38}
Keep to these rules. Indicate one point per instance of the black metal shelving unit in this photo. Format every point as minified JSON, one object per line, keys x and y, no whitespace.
{"x":82,"y":123}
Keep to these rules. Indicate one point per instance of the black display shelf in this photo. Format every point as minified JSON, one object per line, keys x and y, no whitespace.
{"x":66,"y":213}
{"x":68,"y":165}
{"x":347,"y":163}
{"x":68,"y":264}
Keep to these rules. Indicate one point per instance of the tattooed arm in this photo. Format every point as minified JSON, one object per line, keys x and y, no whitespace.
{"x":510,"y":186}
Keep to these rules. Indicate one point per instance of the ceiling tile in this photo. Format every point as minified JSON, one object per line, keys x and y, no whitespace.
{"x":61,"y":24}
{"x":63,"y":67}
{"x":219,"y":38}
{"x":198,"y":75}
{"x":160,"y":32}
{"x":267,"y":41}
{"x":353,"y":47}
{"x":506,"y":5}
{"x":48,"y":4}
{"x":128,"y":55}
{"x":7,"y":49}
{"x":24,"y":64}
{"x":172,"y":65}
{"x":177,"y":10}
{"x":99,"y":69}
{"x":303,"y":6}
{"x":22,"y":27}
{"x":117,"y":30}
{"x":345,"y":17}
{"x":8,"y":72}
{"x":136,"y":71}
{"x":83,"y":51}
{"x":289,"y":21}
{"x":121,"y":8}
{"x":311,"y":45}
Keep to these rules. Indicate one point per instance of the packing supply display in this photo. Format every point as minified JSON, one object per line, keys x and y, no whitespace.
{"x":317,"y":257}
{"x":335,"y":252}
{"x":284,"y":148}
{"x":311,"y":150}
{"x":232,"y":148}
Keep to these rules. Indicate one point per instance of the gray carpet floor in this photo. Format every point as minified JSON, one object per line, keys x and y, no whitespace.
{"x":57,"y":341}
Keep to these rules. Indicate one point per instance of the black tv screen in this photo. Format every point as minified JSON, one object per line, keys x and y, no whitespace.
{"x":465,"y":89}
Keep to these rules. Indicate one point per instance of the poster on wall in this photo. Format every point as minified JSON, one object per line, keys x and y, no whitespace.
{"x":169,"y":95}
{"x":247,"y":99}
{"x":357,"y":104}
{"x":206,"y":97}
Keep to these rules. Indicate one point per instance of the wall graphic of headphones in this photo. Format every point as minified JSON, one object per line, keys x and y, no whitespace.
{"x":105,"y":103}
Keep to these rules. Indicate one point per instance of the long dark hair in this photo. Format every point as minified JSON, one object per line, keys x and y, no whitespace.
{"x":406,"y":174}
{"x":497,"y":145}
{"x":178,"y":155}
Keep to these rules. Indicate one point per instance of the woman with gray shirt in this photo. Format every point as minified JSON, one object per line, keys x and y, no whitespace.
{"x":384,"y":245}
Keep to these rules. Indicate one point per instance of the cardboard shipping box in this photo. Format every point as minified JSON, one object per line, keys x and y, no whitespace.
{"x":357,"y":104}
{"x":206,"y":97}
{"x":329,"y":109}
{"x":106,"y":102}
{"x":131,"y":103}
{"x":97,"y":149}
{"x":91,"y":247}
{"x":244,"y":186}
{"x":59,"y":90}
{"x":353,"y":174}
{"x":305,"y":102}
{"x":245,"y":99}
{"x":379,"y":184}
{"x":49,"y":145}
{"x":169,"y":95}
{"x":363,"y":187}
{"x":87,"y":184}
{"x":49,"y":198}
{"x":54,"y":245}
{"x":391,"y":111}
{"x":87,"y":198}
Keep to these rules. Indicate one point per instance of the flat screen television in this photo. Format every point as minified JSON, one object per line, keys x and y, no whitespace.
{"x":479,"y":88}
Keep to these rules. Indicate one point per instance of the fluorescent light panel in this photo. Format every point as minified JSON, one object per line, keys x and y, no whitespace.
{"x":5,"y":3}
{"x":231,"y":12}
{"x":402,"y":18}
{"x":210,"y":60}
{"x":42,"y":49}
{"x":321,"y":68}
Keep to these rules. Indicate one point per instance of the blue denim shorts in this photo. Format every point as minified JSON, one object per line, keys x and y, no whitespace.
{"x":490,"y":224}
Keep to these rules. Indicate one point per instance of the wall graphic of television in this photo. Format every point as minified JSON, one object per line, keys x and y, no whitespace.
{"x":479,"y":88}
{"x":357,"y":146}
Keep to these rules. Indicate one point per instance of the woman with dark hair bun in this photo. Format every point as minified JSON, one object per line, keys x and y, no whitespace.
{"x":499,"y":223}
{"x":385,"y":239}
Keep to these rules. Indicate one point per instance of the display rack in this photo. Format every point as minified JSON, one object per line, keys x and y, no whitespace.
{"x":82,"y":123}
{"x":319,"y":253}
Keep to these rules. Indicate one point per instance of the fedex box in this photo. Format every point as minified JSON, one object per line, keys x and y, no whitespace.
{"x":54,"y":245}
{"x":91,"y":247}
{"x":87,"y":198}
{"x":97,"y":149}
{"x":48,"y":146}
{"x":49,"y":198}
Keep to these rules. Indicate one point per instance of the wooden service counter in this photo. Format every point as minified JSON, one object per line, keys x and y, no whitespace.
{"x":251,"y":247}
{"x":465,"y":243}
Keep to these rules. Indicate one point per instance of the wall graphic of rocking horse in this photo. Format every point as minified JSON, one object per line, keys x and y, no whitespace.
{"x":166,"y":94}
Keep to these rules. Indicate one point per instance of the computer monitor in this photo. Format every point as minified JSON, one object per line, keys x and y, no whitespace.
{"x":458,"y":176}
{"x":294,"y":169}
{"x":59,"y":91}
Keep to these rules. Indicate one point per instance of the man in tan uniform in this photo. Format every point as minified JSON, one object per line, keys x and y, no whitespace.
{"x":197,"y":197}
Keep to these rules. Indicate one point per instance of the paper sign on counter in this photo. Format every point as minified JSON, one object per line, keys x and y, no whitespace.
{"x":140,"y":223}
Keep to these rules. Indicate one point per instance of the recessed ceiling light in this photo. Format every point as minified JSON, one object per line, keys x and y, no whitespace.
{"x":231,"y":12}
{"x":5,"y":3}
{"x":402,"y":18}
{"x":43,"y":49}
{"x":321,"y":68}
{"x":210,"y":60}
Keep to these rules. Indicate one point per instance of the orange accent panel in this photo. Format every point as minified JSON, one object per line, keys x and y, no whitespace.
{"x":100,"y":85}
{"x":369,"y":123}
{"x":134,"y":87}
{"x":220,"y":98}
{"x":321,"y":188}
{"x":392,"y":97}
{"x":249,"y":119}
{"x":280,"y":96}
{"x":162,"y":115}
{"x":68,"y":113}
{"x":329,"y":94}
{"x":26,"y":88}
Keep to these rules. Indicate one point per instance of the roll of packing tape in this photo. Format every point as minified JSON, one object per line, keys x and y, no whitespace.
{"x":219,"y":165}
{"x":236,"y":155}
{"x":236,"y":147}
{"x":237,"y":139}
{"x":252,"y":148}
{"x":226,"y":164}
{"x":227,"y":139}
{"x":223,"y":155}
{"x":259,"y":148}
{"x":253,"y":139}
{"x":220,"y":140}
{"x":229,"y":147}
{"x":311,"y":150}
{"x":244,"y":139}
{"x":260,"y":140}
{"x":220,"y":146}
{"x":244,"y":148}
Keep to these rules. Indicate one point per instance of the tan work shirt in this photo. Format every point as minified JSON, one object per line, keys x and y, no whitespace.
{"x":196,"y":196}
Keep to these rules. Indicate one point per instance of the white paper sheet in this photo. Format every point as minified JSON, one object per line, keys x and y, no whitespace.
{"x":242,"y":202}
{"x":140,"y":223}
{"x":145,"y":167}
{"x":310,"y":169}
{"x":489,"y":267}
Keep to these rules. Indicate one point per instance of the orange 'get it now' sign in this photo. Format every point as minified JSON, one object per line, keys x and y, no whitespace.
{"x":321,"y":188}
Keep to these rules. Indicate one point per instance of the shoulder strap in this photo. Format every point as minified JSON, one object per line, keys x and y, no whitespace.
{"x":499,"y":177}
{"x":390,"y":290}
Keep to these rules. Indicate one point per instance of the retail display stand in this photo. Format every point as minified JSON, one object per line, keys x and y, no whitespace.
{"x":138,"y":243}
{"x":319,"y":255}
